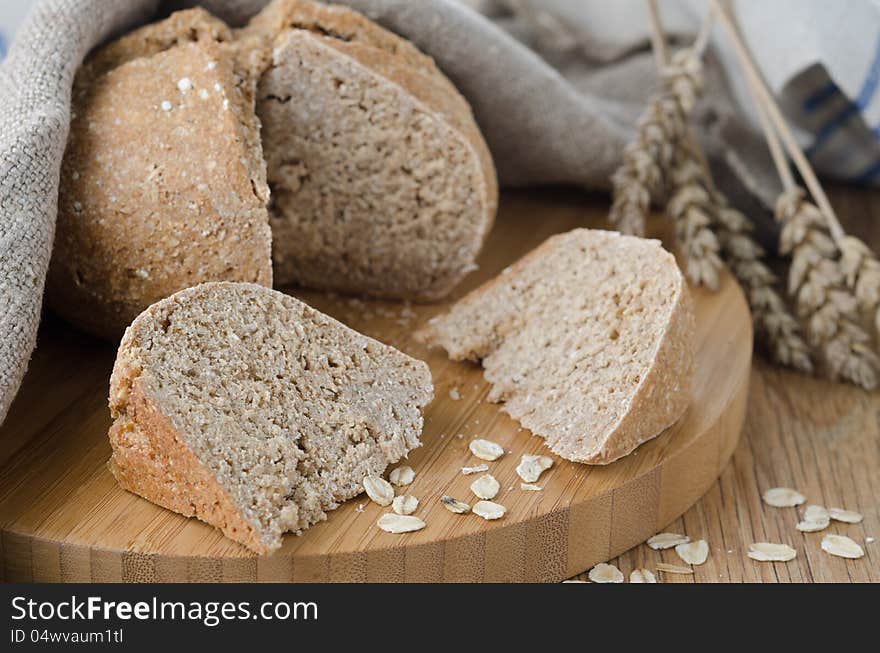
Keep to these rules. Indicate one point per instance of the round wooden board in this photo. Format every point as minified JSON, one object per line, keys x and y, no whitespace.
{"x":63,"y":518}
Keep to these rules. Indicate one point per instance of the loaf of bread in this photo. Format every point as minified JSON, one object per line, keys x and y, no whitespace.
{"x":588,"y":341}
{"x":163,"y":181}
{"x":381,"y":182}
{"x":251,"y":411}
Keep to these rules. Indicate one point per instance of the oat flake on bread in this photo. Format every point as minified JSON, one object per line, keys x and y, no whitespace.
{"x":587,"y":341}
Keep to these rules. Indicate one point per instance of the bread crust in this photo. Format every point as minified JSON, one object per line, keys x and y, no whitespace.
{"x":150,"y":460}
{"x":162,"y":186}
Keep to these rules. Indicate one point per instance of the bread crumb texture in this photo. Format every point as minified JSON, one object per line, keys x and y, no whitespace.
{"x":253,"y":412}
{"x":588,"y":341}
{"x":381,"y":182}
{"x":163,"y":182}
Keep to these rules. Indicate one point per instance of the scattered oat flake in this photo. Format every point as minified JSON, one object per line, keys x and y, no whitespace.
{"x":401,"y":476}
{"x":815,"y":513}
{"x":812,"y":526}
{"x":531,"y":467}
{"x":869,"y":540}
{"x":530,"y":487}
{"x":475,"y":470}
{"x":846,"y":516}
{"x":486,"y":449}
{"x":392,"y":523}
{"x":486,"y":487}
{"x":667,"y":541}
{"x":783,"y":497}
{"x":360,"y":508}
{"x":771,"y":552}
{"x":693,"y":553}
{"x":379,"y":490}
{"x":842,"y":547}
{"x":489,"y":510}
{"x":405,"y":504}
{"x":642,"y":576}
{"x":454,"y":394}
{"x":454,"y":505}
{"x":673,"y":569}
{"x":605,"y":573}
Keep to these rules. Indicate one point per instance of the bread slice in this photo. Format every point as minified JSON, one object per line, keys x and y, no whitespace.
{"x":588,"y":340}
{"x":163,"y":181}
{"x":381,"y":182}
{"x":255,"y":413}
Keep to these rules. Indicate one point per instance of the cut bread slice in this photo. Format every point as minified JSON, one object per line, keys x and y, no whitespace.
{"x":163,"y":183}
{"x":381,"y":182}
{"x":255,"y":413}
{"x":588,"y":340}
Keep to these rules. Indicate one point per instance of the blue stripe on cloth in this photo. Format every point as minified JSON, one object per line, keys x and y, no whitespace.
{"x":820,"y":96}
{"x":868,"y":175}
{"x":869,"y":88}
{"x":2,"y":45}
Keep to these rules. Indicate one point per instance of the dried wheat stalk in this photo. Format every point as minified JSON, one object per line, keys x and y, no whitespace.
{"x":771,"y":318}
{"x":664,"y":122}
{"x":690,"y":206}
{"x":823,"y":300}
{"x":862,"y":271}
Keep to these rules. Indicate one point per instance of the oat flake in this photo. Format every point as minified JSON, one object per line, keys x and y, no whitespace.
{"x":783,"y":497}
{"x":771,"y":552}
{"x":486,"y":487}
{"x":405,"y":504}
{"x":642,"y":576}
{"x":489,"y":510}
{"x":846,"y":516}
{"x":474,"y":470}
{"x":486,"y":449}
{"x":667,"y":541}
{"x":401,"y":476}
{"x":693,"y":553}
{"x":379,"y":490}
{"x":842,"y":547}
{"x":605,"y":573}
{"x":391,"y":523}
{"x":531,"y":467}
{"x":812,"y":526}
{"x":530,"y":487}
{"x":674,"y":569}
{"x":454,"y":505}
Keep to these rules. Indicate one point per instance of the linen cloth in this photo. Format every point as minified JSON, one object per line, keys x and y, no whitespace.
{"x":556,"y":86}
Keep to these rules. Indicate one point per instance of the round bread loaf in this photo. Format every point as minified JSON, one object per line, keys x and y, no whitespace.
{"x":163,"y":180}
{"x":381,"y":182}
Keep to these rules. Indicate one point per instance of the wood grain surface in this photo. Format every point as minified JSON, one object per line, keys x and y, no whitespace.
{"x":62,"y":516}
{"x":819,"y":437}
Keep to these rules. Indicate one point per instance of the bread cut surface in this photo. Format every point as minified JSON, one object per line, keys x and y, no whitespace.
{"x":588,"y":341}
{"x":255,"y":413}
{"x":163,"y":181}
{"x":381,"y":182}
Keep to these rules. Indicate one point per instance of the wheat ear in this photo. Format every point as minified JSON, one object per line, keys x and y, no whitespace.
{"x":770,"y":314}
{"x":690,"y":206}
{"x":664,"y":122}
{"x":823,"y":299}
{"x":862,"y":272}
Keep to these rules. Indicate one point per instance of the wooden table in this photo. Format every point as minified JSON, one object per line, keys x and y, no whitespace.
{"x":818,"y":437}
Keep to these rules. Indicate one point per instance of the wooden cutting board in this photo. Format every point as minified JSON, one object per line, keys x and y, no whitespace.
{"x":63,"y":518}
